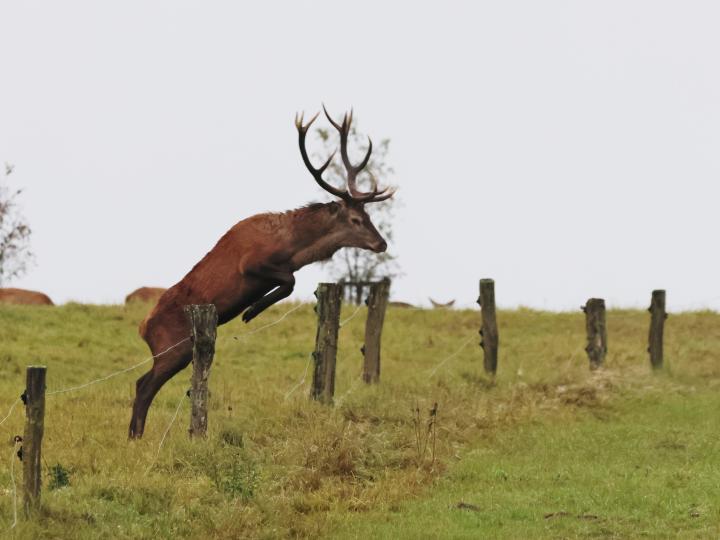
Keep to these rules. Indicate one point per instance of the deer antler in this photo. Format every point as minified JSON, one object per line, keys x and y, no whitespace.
{"x":352,"y":171}
{"x":317,"y":173}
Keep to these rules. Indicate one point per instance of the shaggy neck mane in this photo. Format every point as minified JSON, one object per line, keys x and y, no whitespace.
{"x":312,"y":213}
{"x":312,"y":227}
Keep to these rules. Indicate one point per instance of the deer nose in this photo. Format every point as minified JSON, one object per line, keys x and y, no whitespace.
{"x":381,"y":247}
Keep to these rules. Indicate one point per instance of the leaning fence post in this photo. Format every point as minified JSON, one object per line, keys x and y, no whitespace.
{"x":596,"y":331}
{"x":203,"y":323}
{"x":657,"y":323}
{"x":377,"y":303}
{"x":32,"y":438}
{"x":328,"y":311}
{"x":490,"y":340}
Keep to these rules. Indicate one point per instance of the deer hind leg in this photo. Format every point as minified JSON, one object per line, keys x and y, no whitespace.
{"x":166,"y":365}
{"x":285,"y":282}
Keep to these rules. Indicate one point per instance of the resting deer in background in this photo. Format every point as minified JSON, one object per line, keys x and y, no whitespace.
{"x":252,"y":265}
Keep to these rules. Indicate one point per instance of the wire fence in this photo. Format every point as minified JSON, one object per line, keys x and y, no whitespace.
{"x":115,"y":374}
{"x":238,"y":337}
{"x":256,"y":330}
{"x":176,"y":412}
{"x":309,"y":361}
{"x":143,"y":362}
{"x":356,"y":382}
{"x":611,"y":315}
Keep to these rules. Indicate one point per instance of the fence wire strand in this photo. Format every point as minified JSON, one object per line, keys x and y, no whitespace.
{"x":357,"y":380}
{"x":167,"y":430}
{"x":453,"y":355}
{"x":12,"y":483}
{"x":302,"y":381}
{"x":12,"y":408}
{"x":351,"y":317}
{"x":268,"y":325}
{"x":101,"y":379}
{"x":131,"y":368}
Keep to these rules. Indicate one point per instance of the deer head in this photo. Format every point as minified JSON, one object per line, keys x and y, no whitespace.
{"x":352,"y":225}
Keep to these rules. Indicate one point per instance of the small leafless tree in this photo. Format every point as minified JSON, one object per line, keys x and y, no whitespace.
{"x":355,"y":265}
{"x":15,"y":255}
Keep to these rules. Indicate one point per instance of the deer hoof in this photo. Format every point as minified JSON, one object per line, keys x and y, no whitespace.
{"x":249,"y":314}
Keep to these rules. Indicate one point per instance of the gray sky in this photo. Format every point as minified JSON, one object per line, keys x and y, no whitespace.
{"x":566,"y":149}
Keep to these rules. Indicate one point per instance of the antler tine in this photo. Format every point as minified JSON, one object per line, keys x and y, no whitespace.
{"x":317,"y":173}
{"x":383,"y":195}
{"x":299,"y":121}
{"x":352,"y":171}
{"x":335,"y":124}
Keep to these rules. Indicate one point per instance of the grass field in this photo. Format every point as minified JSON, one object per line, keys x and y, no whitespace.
{"x":548,"y":450}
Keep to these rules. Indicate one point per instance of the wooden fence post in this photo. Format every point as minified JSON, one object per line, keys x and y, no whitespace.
{"x":32,"y":438}
{"x":328,"y":310}
{"x":596,"y":331}
{"x":490,"y":340}
{"x":657,"y":324}
{"x":377,"y":303}
{"x":203,"y":321}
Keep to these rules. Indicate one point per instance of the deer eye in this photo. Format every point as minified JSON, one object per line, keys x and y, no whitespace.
{"x":356,"y":221}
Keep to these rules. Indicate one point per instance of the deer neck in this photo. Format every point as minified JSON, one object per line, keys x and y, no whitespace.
{"x":314,"y":237}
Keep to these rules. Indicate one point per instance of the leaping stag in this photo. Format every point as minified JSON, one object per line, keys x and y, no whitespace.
{"x":252,"y":265}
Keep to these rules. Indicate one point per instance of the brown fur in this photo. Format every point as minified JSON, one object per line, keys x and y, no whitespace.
{"x":401,"y":305}
{"x":145,"y":294}
{"x":24,"y":297}
{"x":250,"y":268}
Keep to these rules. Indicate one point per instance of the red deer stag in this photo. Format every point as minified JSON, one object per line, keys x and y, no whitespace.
{"x":252,"y":265}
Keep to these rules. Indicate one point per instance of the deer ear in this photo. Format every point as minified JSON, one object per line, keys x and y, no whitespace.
{"x":334,"y":208}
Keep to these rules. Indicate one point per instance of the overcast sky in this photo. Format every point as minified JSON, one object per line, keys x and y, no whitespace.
{"x":566,"y":149}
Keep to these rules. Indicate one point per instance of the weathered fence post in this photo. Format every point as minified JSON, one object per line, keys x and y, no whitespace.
{"x":596,"y":331}
{"x":657,"y":324}
{"x":490,"y":340}
{"x":203,"y":322}
{"x":377,"y":303}
{"x":32,"y":438}
{"x":328,"y":310}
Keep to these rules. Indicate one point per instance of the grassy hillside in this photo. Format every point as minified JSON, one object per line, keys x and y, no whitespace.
{"x":634,"y":449}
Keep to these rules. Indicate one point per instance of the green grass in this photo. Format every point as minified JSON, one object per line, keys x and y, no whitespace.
{"x":623,"y":453}
{"x":645,"y":467}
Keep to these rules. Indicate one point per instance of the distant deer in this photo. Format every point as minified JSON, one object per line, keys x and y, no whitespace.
{"x":145,"y":294}
{"x":252,"y":265}
{"x":398,"y":304}
{"x":435,"y":304}
{"x":24,"y":297}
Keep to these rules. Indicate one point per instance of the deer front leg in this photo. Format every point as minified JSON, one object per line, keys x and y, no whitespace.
{"x":285,"y":282}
